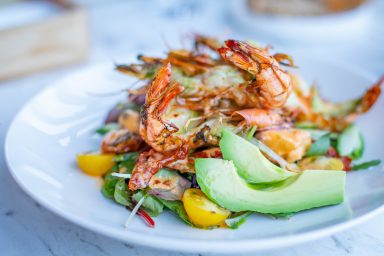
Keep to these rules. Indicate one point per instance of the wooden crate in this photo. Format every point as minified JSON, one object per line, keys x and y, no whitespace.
{"x":59,"y":40}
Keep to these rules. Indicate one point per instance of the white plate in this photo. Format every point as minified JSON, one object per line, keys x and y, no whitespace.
{"x":53,"y":127}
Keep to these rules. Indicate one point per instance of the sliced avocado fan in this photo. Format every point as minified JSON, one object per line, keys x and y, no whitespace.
{"x":220,"y":181}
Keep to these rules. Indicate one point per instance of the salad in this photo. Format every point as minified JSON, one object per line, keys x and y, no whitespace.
{"x":224,"y":130}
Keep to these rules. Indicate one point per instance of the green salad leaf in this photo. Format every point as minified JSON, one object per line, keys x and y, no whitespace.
{"x":320,"y":147}
{"x":305,"y":125}
{"x":365,"y":165}
{"x":108,"y":188}
{"x":316,"y":133}
{"x":122,"y":194}
{"x":237,"y":219}
{"x":107,"y":128}
{"x":126,"y":161}
{"x":131,"y":156}
{"x":151,"y":204}
{"x":178,"y":208}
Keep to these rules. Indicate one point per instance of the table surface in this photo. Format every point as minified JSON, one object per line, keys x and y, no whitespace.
{"x":119,"y":28}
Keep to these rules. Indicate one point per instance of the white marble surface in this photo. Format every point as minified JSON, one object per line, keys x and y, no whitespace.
{"x":119,"y":28}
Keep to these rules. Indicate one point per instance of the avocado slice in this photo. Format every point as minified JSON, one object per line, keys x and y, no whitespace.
{"x":251,"y":164}
{"x":220,"y":181}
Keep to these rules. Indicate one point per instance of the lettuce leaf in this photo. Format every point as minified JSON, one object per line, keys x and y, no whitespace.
{"x":152,"y":205}
{"x":126,"y":161}
{"x":178,"y":208}
{"x":320,"y":147}
{"x":108,"y":188}
{"x":107,"y":128}
{"x":122,"y":194}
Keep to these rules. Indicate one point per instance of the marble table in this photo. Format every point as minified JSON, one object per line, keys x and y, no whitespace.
{"x":119,"y":28}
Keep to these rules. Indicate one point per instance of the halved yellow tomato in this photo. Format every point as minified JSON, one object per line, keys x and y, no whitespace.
{"x":95,"y":164}
{"x":201,"y":211}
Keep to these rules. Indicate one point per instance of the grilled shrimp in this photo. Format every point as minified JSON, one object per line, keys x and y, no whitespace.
{"x":270,"y":87}
{"x":150,"y":162}
{"x":146,"y":69}
{"x":338,"y":116}
{"x":164,"y":124}
{"x":121,"y":141}
{"x":190,"y":62}
{"x":263,"y":119}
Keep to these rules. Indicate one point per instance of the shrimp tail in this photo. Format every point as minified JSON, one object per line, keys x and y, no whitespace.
{"x":371,"y":96}
{"x":159,"y":84}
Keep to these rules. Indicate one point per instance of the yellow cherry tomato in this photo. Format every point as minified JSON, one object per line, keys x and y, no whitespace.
{"x":95,"y":164}
{"x":201,"y":211}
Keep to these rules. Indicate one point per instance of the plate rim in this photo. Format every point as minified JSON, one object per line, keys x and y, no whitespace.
{"x":174,"y":244}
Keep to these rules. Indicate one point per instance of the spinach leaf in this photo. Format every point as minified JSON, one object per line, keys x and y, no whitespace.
{"x":178,"y":208}
{"x":126,"y":161}
{"x":122,"y":194}
{"x":151,"y":204}
{"x":107,"y":128}
{"x":237,"y":219}
{"x":320,"y":147}
{"x":365,"y":165}
{"x":108,"y":188}
{"x":131,"y":156}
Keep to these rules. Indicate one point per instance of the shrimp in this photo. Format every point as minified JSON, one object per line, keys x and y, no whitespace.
{"x":252,"y":79}
{"x":190,"y":62}
{"x":163,"y":123}
{"x":271,"y":86}
{"x":337,"y":116}
{"x":121,"y":141}
{"x":146,"y":69}
{"x":150,"y":162}
{"x":153,"y":128}
{"x":263,"y":119}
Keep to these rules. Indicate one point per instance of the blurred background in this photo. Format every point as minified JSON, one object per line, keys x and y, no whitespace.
{"x":41,"y":35}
